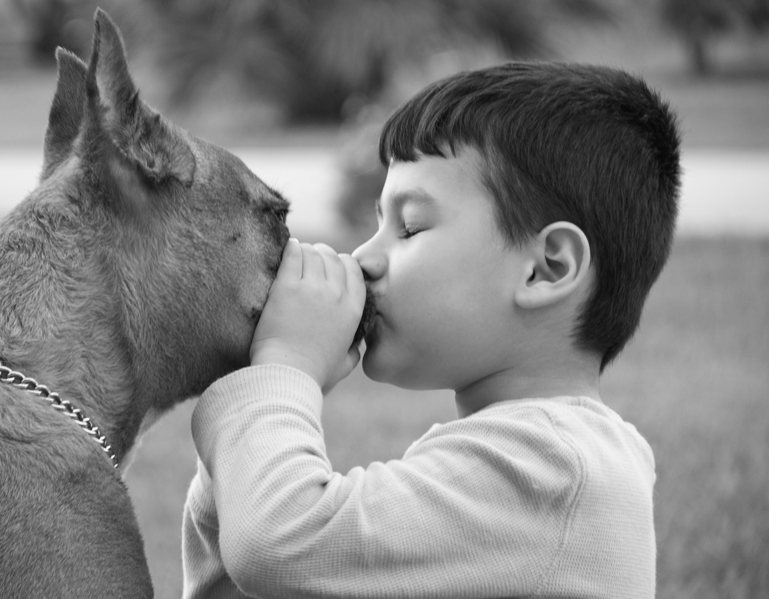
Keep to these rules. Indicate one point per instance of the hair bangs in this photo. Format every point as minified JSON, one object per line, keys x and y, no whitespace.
{"x":429,"y":124}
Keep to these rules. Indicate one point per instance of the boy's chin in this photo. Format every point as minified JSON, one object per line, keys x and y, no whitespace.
{"x":378,"y":369}
{"x":368,"y":363}
{"x":373,"y":366}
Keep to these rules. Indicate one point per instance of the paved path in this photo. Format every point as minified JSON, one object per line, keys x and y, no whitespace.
{"x":723,"y":192}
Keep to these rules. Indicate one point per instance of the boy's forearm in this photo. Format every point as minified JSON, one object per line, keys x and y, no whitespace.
{"x":259,"y":435}
{"x":203,"y":569}
{"x":289,"y":524}
{"x":236,"y":427}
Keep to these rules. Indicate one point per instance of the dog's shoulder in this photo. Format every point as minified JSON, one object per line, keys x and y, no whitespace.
{"x":66,"y":511}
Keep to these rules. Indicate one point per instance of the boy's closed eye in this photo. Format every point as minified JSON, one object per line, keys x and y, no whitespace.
{"x":411,"y":206}
{"x":416,"y":217}
{"x":409,"y":231}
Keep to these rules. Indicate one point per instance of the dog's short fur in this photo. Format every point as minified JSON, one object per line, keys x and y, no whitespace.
{"x":130,"y":279}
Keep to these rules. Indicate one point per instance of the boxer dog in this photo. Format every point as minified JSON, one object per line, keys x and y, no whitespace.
{"x":131,"y":278}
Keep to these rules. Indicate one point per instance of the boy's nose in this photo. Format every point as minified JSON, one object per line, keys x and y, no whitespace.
{"x":372,"y":260}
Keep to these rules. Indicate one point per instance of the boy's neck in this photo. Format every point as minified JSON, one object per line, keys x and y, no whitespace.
{"x":575,"y":375}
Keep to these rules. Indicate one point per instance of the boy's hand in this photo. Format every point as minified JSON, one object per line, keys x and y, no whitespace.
{"x":311,"y":314}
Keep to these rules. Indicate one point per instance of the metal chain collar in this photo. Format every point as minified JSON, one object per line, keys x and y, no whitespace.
{"x":20,"y":381}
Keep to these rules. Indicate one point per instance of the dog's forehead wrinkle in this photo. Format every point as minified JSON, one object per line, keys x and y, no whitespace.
{"x":264,"y":198}
{"x":237,"y":182}
{"x":276,"y":198}
{"x":267,"y":199}
{"x":242,"y":181}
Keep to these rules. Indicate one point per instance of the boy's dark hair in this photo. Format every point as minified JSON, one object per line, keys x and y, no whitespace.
{"x":590,"y":145}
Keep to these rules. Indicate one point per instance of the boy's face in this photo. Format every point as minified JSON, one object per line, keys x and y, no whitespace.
{"x":443,"y":277}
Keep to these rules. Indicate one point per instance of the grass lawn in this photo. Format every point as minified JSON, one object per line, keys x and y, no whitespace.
{"x":694,"y":381}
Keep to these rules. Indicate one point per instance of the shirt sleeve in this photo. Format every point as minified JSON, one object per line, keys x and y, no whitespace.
{"x":473,"y":509}
{"x":204,"y":575}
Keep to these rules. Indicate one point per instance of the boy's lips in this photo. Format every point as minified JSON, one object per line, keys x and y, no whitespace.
{"x":368,"y":319}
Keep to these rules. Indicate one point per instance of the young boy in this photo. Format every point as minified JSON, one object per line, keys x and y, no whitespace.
{"x":527,"y":211}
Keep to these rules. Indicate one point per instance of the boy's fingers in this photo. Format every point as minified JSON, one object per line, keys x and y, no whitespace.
{"x":291,"y":263}
{"x":356,"y":286}
{"x":313,"y":266}
{"x":335,"y":270}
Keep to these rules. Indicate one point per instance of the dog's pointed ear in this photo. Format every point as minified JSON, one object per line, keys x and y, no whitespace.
{"x":143,"y":139}
{"x":66,"y":112}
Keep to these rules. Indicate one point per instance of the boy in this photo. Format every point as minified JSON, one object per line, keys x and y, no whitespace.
{"x":527,"y":211}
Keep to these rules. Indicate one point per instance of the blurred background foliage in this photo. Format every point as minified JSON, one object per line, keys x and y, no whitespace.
{"x":318,"y":60}
{"x":246,"y":65}
{"x":698,"y":22}
{"x":321,"y":61}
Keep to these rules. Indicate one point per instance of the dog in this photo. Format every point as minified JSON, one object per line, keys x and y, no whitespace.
{"x":131,"y":278}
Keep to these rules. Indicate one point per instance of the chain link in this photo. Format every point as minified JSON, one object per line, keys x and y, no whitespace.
{"x":18,"y":380}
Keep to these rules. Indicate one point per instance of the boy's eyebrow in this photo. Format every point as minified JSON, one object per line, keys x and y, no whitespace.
{"x":413,"y":196}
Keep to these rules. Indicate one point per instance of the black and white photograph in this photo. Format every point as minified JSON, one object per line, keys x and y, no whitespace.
{"x":384,"y":299}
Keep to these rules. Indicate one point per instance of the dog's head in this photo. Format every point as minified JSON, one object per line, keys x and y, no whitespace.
{"x":188,"y":237}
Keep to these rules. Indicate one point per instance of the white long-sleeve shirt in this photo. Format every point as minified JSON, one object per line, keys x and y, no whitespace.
{"x":541,"y":497}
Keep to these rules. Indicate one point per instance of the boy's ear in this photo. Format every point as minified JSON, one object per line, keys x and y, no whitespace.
{"x":559,"y":266}
{"x":147,"y":147}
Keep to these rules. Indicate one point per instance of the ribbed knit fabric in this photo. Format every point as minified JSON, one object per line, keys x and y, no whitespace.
{"x":542,"y":497}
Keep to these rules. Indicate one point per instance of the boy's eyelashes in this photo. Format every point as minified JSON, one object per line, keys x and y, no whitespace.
{"x":406,"y":230}
{"x":409,"y":231}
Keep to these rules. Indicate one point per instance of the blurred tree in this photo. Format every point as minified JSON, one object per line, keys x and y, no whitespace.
{"x":698,"y":21}
{"x":344,"y":60}
{"x":313,"y":58}
{"x":65,"y":23}
{"x":50,"y":23}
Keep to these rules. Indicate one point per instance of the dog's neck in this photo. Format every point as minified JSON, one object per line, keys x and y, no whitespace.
{"x":73,"y":318}
{"x":98,"y":399}
{"x":85,"y":369}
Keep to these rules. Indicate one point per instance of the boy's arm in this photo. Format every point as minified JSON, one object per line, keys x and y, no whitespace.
{"x":203,"y":570}
{"x":314,"y":286}
{"x":461,"y":513}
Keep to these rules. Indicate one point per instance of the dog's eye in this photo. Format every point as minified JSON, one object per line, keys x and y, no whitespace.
{"x":270,"y":211}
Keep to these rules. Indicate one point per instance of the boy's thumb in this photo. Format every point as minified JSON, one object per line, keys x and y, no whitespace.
{"x":291,"y":263}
